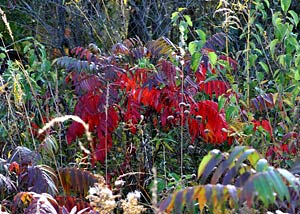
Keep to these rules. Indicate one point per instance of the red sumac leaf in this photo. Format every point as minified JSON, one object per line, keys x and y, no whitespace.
{"x":74,"y":131}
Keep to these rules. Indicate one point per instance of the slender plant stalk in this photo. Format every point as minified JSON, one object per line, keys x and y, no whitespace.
{"x":226,"y":31}
{"x":154,"y":190}
{"x":106,"y":132}
{"x":181,"y":127}
{"x":247,"y":51}
{"x":165,"y":168}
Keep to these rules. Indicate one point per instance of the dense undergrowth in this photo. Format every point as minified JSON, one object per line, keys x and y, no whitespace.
{"x":207,"y":125}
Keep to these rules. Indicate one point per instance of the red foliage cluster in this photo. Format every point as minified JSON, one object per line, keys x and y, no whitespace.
{"x":166,"y":96}
{"x":169,"y":102}
{"x":284,"y":148}
{"x":88,"y":108}
{"x":265,"y":124}
{"x":217,"y":87}
{"x":287,"y":146}
{"x":277,"y":151}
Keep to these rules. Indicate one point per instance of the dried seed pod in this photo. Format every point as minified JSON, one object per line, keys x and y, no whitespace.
{"x":172,"y":180}
{"x":193,"y":176}
{"x":186,"y":112}
{"x":206,"y":131}
{"x":170,"y":117}
{"x":191,"y":148}
{"x":199,"y":117}
{"x":182,"y":104}
{"x":224,"y":130}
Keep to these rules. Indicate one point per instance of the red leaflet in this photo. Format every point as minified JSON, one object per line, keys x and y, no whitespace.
{"x":132,"y":115}
{"x":170,"y":71}
{"x":75,"y":130}
{"x":14,"y":167}
{"x":217,"y":87}
{"x":201,"y":73}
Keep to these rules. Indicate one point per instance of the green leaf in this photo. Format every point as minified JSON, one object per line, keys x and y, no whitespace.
{"x":196,"y":58}
{"x":281,"y":30}
{"x":264,"y":66}
{"x":278,"y":184}
{"x":192,"y":47}
{"x":212,"y":58}
{"x":290,"y":178}
{"x":252,"y":59}
{"x":46,"y":66}
{"x":282,"y":60}
{"x":267,"y":3}
{"x":297,"y":74}
{"x":221,"y":102}
{"x":182,"y":26}
{"x":293,"y":42}
{"x":260,"y":76}
{"x":263,"y":187}
{"x":201,"y":34}
{"x":295,"y":17}
{"x":272,"y":46}
{"x":161,"y":184}
{"x":174,"y":16}
{"x":2,"y":56}
{"x":276,"y":20}
{"x":195,"y":46}
{"x":262,"y":165}
{"x":167,"y":146}
{"x":188,"y":20}
{"x":230,"y":112}
{"x":285,"y":4}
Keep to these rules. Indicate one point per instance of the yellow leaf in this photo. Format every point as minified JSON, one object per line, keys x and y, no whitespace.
{"x":243,"y":103}
{"x":275,"y":96}
{"x":2,"y":88}
{"x":181,"y":9}
{"x":220,"y":4}
{"x":287,"y":101}
{"x":264,"y":81}
{"x":201,"y":197}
